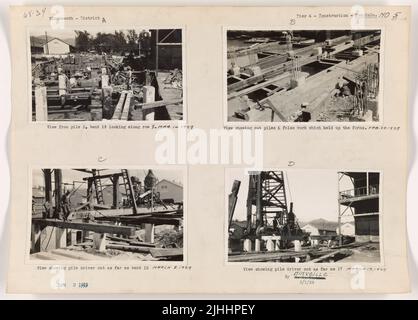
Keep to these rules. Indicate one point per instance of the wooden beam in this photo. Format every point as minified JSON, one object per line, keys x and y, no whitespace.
{"x":138,"y":249}
{"x":119,"y":107}
{"x":266,"y":256}
{"x":331,"y":255}
{"x":157,"y":104}
{"x":132,"y":242}
{"x":365,"y":214}
{"x":103,"y":176}
{"x":258,"y":86}
{"x":87,"y":226}
{"x":168,"y":253}
{"x":126,"y":107}
{"x":140,"y":219}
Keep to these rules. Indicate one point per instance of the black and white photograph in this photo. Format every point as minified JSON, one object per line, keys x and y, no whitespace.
{"x":91,"y":74}
{"x":303,"y":216}
{"x":107,"y":214}
{"x":303,"y":75}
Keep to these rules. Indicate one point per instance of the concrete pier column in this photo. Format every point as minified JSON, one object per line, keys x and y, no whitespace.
{"x":61,"y":238}
{"x":247,"y":245}
{"x":62,"y":84}
{"x":47,"y":239}
{"x":298,"y":246}
{"x":41,"y":107}
{"x":73,"y":236}
{"x":105,"y":81}
{"x":270,"y":244}
{"x":35,"y":238}
{"x":149,"y":232}
{"x":277,"y":244}
{"x":99,"y":241}
{"x":257,"y":245}
{"x":149,"y":96}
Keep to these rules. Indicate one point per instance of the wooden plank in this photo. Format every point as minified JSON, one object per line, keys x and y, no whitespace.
{"x":167,"y":252}
{"x":126,"y":107}
{"x":132,"y":242}
{"x":259,"y":86}
{"x":270,"y":72}
{"x":330,"y":255}
{"x":103,"y":176}
{"x":118,"y":110}
{"x":137,"y":249}
{"x":76,"y":255}
{"x":88,"y":226}
{"x":161,"y":103}
{"x":140,"y":219}
{"x":266,"y":256}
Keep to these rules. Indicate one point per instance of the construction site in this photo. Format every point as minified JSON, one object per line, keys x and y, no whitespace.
{"x":303,"y":75}
{"x":90,"y":75}
{"x":102,"y":214}
{"x":266,"y":227}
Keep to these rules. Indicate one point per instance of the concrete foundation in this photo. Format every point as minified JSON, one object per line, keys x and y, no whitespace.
{"x":99,"y":241}
{"x":52,"y":238}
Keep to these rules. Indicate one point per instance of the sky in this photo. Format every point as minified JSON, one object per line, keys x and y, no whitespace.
{"x":68,"y":175}
{"x":314,"y":193}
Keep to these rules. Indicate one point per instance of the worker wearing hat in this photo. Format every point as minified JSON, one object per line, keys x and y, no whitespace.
{"x":305,"y":116}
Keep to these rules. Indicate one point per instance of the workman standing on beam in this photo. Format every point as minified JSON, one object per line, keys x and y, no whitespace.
{"x":65,"y":204}
{"x":304,"y":115}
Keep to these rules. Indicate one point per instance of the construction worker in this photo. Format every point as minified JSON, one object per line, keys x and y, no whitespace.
{"x":65,"y":204}
{"x":129,"y":77}
{"x":304,"y":115}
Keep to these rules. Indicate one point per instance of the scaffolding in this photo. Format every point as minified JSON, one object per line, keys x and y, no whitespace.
{"x":273,"y":215}
{"x":359,"y":201}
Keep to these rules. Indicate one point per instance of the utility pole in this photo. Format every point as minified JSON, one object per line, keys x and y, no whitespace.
{"x":156,"y":53}
{"x":46,"y":43}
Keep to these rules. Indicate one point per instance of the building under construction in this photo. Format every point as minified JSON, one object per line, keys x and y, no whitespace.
{"x":361,"y":202}
{"x":105,"y":214}
{"x":302,"y":76}
{"x":123,"y":75}
{"x":272,"y":231}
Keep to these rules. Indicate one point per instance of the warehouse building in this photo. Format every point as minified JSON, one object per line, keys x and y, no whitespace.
{"x":169,"y":191}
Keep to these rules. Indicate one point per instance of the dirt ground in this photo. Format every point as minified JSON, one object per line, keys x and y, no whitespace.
{"x":370,"y":252}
